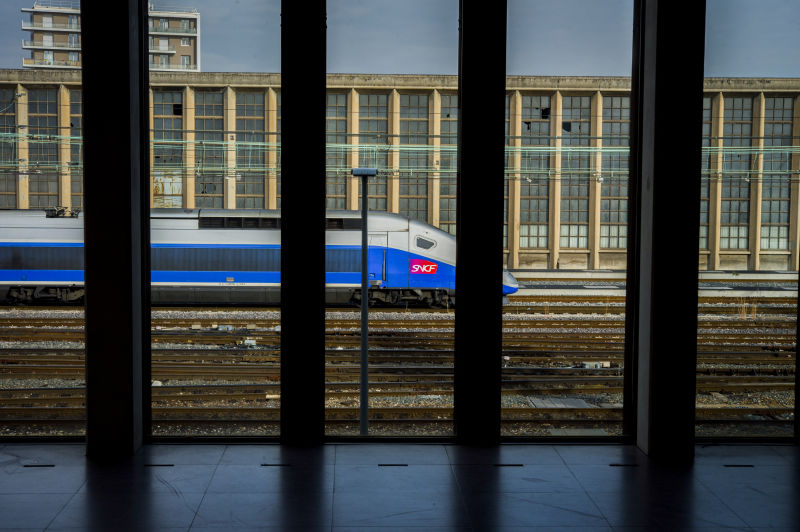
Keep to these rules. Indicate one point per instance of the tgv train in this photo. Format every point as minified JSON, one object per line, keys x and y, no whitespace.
{"x":207,"y":256}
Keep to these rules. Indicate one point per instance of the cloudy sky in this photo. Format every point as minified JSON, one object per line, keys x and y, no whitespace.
{"x":566,"y":37}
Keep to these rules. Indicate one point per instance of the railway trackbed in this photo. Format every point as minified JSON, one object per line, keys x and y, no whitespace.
{"x":401,"y":322}
{"x":183,"y":415}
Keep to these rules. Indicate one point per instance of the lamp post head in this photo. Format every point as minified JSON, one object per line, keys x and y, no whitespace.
{"x":361,"y":172}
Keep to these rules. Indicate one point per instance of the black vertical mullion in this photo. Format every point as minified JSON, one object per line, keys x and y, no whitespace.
{"x":116,"y":234}
{"x":479,"y":220}
{"x":669,"y":107}
{"x":303,"y":79}
{"x":633,"y":274}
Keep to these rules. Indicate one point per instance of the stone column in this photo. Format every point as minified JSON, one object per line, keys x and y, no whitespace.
{"x":595,"y":185}
{"x":393,"y":163}
{"x":189,"y":149}
{"x":555,"y":179}
{"x":271,"y":184}
{"x":514,"y":176}
{"x":23,"y":200}
{"x":435,"y":140}
{"x":757,"y":170}
{"x":229,"y":125}
{"x":352,"y":155}
{"x":715,"y":180}
{"x":64,"y":155}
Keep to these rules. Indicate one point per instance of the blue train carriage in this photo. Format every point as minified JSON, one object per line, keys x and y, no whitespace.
{"x":218,"y":257}
{"x":41,"y":256}
{"x":409,"y":262}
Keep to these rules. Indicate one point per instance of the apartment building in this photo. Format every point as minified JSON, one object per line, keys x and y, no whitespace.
{"x":55,"y":36}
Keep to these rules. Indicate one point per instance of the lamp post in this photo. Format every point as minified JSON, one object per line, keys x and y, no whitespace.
{"x":364,"y":174}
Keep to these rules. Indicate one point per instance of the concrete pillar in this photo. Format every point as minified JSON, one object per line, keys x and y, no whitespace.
{"x":151,"y":135}
{"x":715,"y":180}
{"x":393,"y":163}
{"x":514,"y":175}
{"x":64,"y":182}
{"x":352,"y":155}
{"x":794,"y":202}
{"x":229,"y":125}
{"x":555,"y":179}
{"x":271,"y":185}
{"x":435,"y":140}
{"x":595,"y":185}
{"x":189,"y":149}
{"x":23,"y":200}
{"x":757,"y":170}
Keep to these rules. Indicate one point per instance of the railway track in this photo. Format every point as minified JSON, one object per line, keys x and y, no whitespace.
{"x":572,"y":416}
{"x":447,"y":321}
{"x":429,"y":339}
{"x":411,"y":361}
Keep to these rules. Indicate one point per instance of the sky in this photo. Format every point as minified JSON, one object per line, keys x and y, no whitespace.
{"x":744,"y":38}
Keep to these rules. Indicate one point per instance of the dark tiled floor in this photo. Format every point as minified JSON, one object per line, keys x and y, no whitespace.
{"x":376,"y":487}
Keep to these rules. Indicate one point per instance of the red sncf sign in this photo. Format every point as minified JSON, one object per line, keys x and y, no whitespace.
{"x":423,"y":266}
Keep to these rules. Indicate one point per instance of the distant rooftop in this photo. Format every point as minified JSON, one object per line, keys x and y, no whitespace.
{"x":59,"y":4}
{"x":170,"y":9}
{"x":76,"y":4}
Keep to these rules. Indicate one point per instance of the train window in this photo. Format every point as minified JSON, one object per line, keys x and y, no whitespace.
{"x":424,"y":243}
{"x":343,"y":224}
{"x":237,"y":222}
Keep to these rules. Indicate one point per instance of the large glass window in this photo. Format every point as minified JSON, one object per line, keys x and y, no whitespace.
{"x":414,"y":155}
{"x":614,"y":174}
{"x":737,"y":138}
{"x":42,"y":150}
{"x":535,"y":172}
{"x":42,"y":359}
{"x":336,"y":150}
{"x":447,"y":163}
{"x":747,"y":312}
{"x":251,"y":153}
{"x":76,"y":147}
{"x":705,"y":173}
{"x":373,"y":129}
{"x":566,"y":204}
{"x":394,"y":108}
{"x":776,"y":182}
{"x":575,"y":172}
{"x":215,"y":279}
{"x":168,"y":148}
{"x":210,"y":149}
{"x":8,"y":148}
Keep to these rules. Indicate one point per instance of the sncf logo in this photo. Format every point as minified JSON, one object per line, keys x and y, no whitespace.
{"x":423,"y":266}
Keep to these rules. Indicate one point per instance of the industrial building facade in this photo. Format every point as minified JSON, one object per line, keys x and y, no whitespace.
{"x":216,"y":144}
{"x":55,"y":37}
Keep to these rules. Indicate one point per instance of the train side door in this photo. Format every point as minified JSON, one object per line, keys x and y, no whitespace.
{"x":378,"y":244}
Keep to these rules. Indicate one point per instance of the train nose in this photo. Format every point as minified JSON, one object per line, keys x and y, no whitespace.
{"x":510,"y":284}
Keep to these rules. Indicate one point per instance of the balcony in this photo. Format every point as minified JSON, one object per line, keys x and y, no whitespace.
{"x":39,"y":45}
{"x":27,"y":25}
{"x":50,"y":63}
{"x":167,"y":50}
{"x":155,"y":67}
{"x":171,"y":31}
